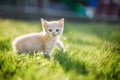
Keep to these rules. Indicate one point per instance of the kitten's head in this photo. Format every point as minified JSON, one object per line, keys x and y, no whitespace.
{"x":53,"y":28}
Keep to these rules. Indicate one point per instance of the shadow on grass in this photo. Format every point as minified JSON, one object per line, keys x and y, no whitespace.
{"x":69,"y":64}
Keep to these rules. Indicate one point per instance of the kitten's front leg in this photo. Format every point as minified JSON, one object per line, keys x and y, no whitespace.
{"x":46,"y":54}
{"x":60,"y":45}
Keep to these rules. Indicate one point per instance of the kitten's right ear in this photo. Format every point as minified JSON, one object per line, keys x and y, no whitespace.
{"x":44,"y":23}
{"x":61,"y":22}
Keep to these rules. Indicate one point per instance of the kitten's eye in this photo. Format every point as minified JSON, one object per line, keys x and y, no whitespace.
{"x":57,"y":30}
{"x":50,"y":30}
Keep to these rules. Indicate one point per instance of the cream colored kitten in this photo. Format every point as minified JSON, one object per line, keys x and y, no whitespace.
{"x":43,"y":41}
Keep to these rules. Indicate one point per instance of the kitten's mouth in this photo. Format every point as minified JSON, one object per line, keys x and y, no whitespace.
{"x":53,"y":35}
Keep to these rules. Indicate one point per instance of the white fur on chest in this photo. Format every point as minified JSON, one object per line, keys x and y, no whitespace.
{"x":51,"y":44}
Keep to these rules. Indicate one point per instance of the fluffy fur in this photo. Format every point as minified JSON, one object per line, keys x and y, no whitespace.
{"x":43,"y":41}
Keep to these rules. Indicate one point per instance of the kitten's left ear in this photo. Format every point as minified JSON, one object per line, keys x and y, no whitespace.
{"x":44,"y":23}
{"x":61,"y":22}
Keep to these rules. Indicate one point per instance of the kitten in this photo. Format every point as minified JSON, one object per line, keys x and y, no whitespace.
{"x":43,"y":41}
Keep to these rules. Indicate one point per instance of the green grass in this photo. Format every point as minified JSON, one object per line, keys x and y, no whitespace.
{"x":92,"y":53}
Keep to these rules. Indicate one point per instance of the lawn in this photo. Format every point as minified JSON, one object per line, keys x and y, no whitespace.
{"x":92,"y":53}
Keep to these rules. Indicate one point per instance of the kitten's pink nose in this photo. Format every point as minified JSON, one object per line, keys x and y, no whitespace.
{"x":53,"y":34}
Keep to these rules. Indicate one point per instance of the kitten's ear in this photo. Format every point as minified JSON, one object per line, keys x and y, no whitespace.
{"x":61,"y":22}
{"x":44,"y":23}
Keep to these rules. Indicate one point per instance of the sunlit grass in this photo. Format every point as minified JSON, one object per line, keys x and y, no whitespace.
{"x":92,"y":53}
